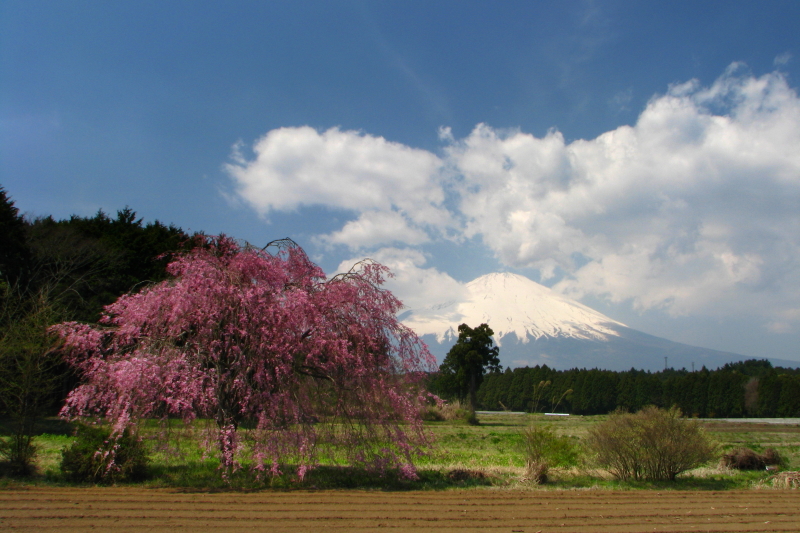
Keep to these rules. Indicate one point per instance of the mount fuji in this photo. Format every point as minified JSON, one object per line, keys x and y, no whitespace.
{"x":534,"y":325}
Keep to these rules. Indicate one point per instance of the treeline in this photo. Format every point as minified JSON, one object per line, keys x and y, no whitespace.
{"x":749,"y":388}
{"x":82,"y":263}
{"x":53,"y":271}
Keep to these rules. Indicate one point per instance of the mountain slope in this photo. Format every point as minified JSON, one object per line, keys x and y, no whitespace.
{"x":511,"y":303}
{"x":535,"y":325}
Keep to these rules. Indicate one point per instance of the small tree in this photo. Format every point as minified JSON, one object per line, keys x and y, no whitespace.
{"x":27,"y":376}
{"x":654,"y":444}
{"x":250,"y":338}
{"x":28,"y":368}
{"x":473,"y":354}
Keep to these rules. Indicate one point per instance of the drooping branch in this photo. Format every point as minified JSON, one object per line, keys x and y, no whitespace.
{"x":243,"y":334}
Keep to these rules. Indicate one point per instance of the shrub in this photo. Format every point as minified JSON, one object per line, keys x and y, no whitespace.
{"x":653,"y":444}
{"x":544,"y":449}
{"x":460,"y":474}
{"x":432,"y":413}
{"x":17,"y":454}
{"x":747,"y":459}
{"x":97,"y":458}
{"x":469,"y":417}
{"x":772,"y":457}
{"x":443,"y":410}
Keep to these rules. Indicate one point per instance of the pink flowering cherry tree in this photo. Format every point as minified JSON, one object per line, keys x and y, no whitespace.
{"x":283,"y":360}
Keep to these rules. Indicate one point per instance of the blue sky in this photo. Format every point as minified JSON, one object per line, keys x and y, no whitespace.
{"x":640,"y":156}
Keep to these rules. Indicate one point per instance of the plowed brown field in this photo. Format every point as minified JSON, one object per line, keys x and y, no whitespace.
{"x":131,"y":509}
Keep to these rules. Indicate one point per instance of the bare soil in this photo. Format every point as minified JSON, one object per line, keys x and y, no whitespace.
{"x":533,"y":511}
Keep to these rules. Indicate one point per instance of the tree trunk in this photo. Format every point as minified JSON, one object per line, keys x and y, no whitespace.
{"x":473,"y":392}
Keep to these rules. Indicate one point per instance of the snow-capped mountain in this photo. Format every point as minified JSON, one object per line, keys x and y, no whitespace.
{"x":535,"y":325}
{"x":511,"y":303}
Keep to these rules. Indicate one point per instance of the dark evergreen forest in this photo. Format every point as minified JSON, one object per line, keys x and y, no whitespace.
{"x":53,"y":271}
{"x":750,"y":388}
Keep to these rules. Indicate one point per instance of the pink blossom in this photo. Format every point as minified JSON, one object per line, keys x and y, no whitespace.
{"x":240,"y":335}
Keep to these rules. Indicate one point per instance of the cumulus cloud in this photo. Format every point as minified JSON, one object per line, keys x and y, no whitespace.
{"x":414,"y":284}
{"x":295,"y":167}
{"x":692,"y":209}
{"x":374,"y":228}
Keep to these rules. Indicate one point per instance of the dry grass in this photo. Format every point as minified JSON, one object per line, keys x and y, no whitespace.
{"x":445,"y":411}
{"x":781,"y":480}
{"x":536,"y":472}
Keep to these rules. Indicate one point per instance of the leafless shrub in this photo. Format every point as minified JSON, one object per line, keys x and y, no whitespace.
{"x":747,"y":459}
{"x":616,"y":446}
{"x":773,"y":457}
{"x":654,"y":444}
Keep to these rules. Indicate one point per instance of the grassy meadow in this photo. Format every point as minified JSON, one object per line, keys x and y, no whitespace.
{"x":463,"y":455}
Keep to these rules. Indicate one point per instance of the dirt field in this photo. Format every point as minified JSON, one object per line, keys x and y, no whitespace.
{"x":124,"y":509}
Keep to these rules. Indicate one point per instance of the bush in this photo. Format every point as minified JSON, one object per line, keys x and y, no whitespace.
{"x":452,"y":410}
{"x":747,"y":459}
{"x":469,"y":417}
{"x":543,"y":449}
{"x":17,"y":454}
{"x":432,"y":413}
{"x":97,"y":458}
{"x":653,"y":444}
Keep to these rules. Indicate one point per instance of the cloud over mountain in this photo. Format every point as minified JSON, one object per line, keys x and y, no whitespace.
{"x":691,"y":209}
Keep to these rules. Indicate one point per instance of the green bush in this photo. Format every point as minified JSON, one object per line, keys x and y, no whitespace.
{"x":469,"y":417}
{"x":97,"y":458}
{"x":653,"y":444}
{"x":17,"y":454}
{"x":543,"y":449}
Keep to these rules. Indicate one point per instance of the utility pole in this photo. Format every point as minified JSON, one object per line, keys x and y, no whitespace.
{"x":665,"y":363}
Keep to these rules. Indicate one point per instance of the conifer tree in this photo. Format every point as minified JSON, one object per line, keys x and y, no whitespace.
{"x":473,"y":354}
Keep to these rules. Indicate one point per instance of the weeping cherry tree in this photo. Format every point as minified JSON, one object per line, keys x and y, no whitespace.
{"x":283,"y":360}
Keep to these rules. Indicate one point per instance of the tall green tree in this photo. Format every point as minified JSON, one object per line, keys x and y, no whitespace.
{"x":14,"y":252}
{"x":473,"y":355}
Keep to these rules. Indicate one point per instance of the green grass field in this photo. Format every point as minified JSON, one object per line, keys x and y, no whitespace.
{"x":462,"y":456}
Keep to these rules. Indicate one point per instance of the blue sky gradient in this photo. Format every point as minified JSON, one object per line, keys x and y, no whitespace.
{"x":690,"y":235}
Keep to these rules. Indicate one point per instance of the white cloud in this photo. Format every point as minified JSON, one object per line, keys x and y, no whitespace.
{"x":694,"y":208}
{"x":374,"y":228}
{"x":296,"y":167}
{"x":415,"y":286}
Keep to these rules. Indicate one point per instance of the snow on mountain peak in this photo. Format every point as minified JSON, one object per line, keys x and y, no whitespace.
{"x":511,"y":303}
